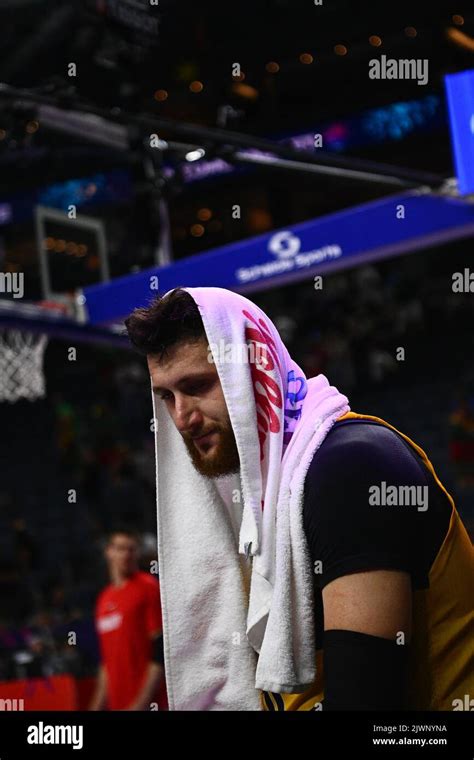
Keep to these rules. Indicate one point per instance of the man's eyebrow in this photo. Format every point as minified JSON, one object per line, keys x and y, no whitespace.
{"x":184,"y":380}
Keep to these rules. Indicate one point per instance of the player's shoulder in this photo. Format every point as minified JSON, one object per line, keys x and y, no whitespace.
{"x":103,"y":595}
{"x":363,"y":444}
{"x":146,"y":580}
{"x":368,"y":433}
{"x":345,"y":530}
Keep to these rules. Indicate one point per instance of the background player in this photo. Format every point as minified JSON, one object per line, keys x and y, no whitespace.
{"x":128,"y":622}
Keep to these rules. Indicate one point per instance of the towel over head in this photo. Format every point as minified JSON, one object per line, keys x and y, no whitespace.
{"x":235,"y":573}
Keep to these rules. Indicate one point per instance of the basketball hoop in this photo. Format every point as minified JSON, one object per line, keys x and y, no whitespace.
{"x":22,"y":349}
{"x":21,"y":365}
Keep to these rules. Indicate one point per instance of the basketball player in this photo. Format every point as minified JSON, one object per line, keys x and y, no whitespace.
{"x":128,"y":623}
{"x":385,"y":570}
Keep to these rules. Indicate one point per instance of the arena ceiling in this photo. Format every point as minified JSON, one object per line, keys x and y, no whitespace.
{"x":301,"y":62}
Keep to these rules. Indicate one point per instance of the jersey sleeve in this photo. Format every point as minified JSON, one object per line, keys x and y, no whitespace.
{"x":153,"y":621}
{"x":347,"y":530}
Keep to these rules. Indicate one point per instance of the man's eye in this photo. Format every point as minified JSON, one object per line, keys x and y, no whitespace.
{"x":165,"y":396}
{"x":194,"y":389}
{"x":199,"y":387}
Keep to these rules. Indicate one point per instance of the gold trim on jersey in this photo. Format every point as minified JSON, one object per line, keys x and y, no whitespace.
{"x":441,"y":659}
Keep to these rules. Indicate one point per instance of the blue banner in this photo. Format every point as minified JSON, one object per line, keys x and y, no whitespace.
{"x":387,"y":227}
{"x":460,"y":96}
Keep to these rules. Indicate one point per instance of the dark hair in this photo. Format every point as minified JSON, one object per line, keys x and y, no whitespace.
{"x":168,"y":320}
{"x":123,"y":531}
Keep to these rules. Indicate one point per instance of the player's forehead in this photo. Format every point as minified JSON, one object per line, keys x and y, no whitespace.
{"x":122,"y":540}
{"x":183,"y":361}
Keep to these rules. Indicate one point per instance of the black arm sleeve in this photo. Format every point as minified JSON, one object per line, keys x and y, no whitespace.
{"x":363,"y":672}
{"x":158,"y":654}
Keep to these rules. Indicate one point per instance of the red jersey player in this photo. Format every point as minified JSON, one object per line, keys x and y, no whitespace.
{"x":128,"y":623}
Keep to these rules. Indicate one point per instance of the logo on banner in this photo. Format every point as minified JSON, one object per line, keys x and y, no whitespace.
{"x":284,"y":244}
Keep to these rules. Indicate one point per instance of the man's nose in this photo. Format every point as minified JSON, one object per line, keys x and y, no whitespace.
{"x":187,"y":415}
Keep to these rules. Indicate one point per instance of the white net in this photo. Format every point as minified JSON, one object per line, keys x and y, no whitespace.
{"x":21,"y":365}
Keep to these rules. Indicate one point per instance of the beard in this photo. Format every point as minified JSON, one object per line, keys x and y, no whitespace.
{"x":221,"y":459}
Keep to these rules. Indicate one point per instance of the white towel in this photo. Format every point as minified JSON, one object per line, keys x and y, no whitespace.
{"x":213,"y":626}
